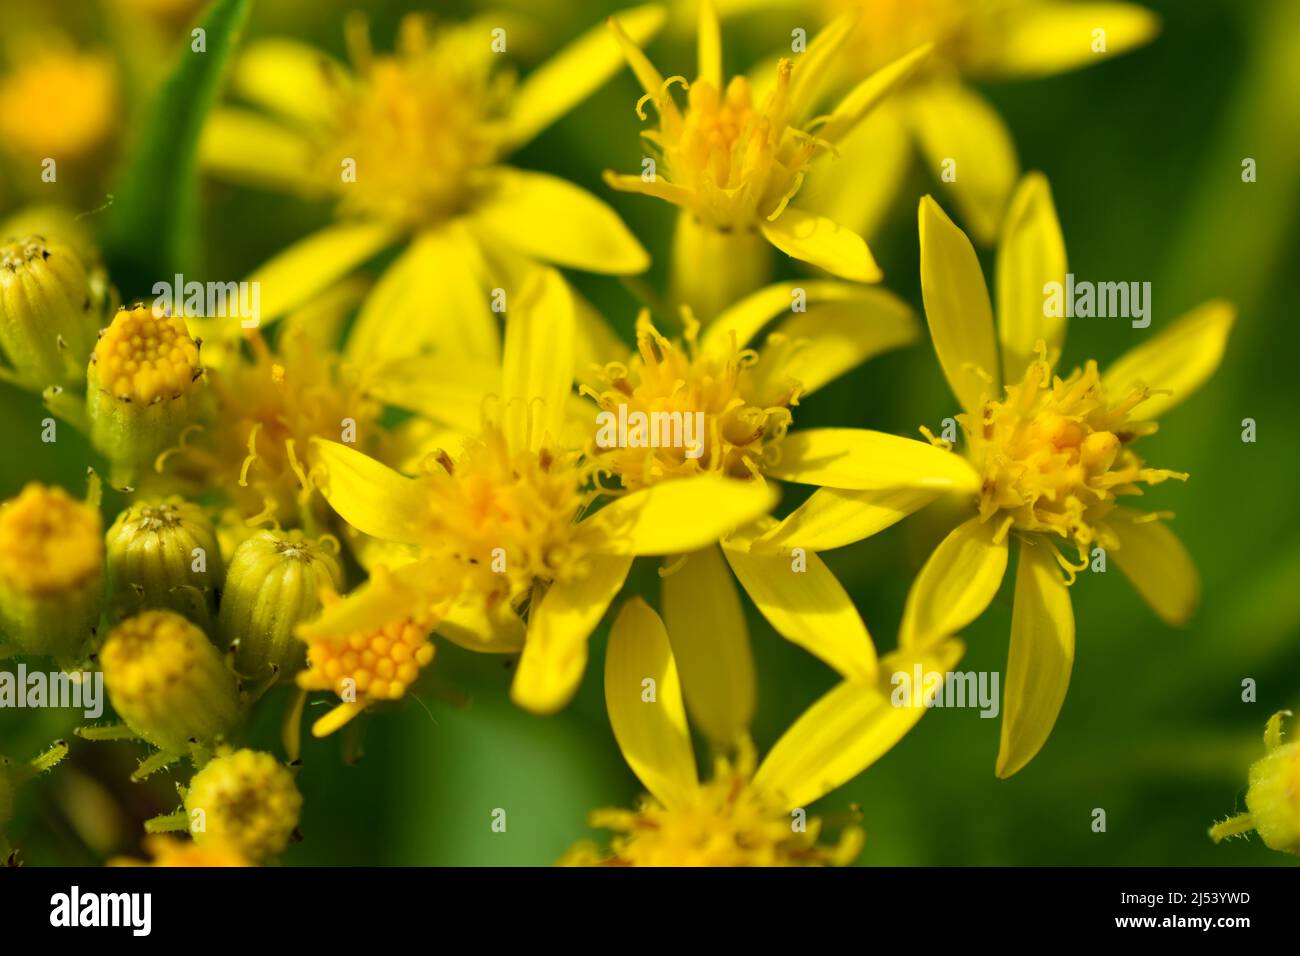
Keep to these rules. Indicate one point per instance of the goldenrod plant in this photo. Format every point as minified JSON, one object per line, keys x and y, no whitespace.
{"x":403,"y":416}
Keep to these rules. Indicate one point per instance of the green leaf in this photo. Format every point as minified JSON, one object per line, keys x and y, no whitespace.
{"x":152,"y":229}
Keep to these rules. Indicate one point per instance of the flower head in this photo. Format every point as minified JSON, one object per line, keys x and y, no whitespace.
{"x":742,"y":816}
{"x":365,"y":667}
{"x":247,"y":802}
{"x":143,"y":384}
{"x":51,"y":570}
{"x":168,"y":682}
{"x":732,"y":160}
{"x":1047,"y":461}
{"x":58,"y":102}
{"x":506,"y":529}
{"x":412,"y":144}
{"x":740,"y":388}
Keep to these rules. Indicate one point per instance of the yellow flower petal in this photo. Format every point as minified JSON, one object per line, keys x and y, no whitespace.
{"x":858,"y":183}
{"x":710,"y":641}
{"x":650,"y":79}
{"x":314,"y":264}
{"x":1031,"y":253}
{"x":594,"y":340}
{"x":957,"y":583}
{"x":446,"y":390}
{"x":385,"y":597}
{"x":290,"y":78}
{"x":431,"y":297}
{"x":746,"y":318}
{"x":1041,"y":39}
{"x":814,"y":67}
{"x":471,"y":625}
{"x":558,"y":222}
{"x":808,"y":607}
{"x":1177,"y":361}
{"x":835,"y":517}
{"x":246,"y":147}
{"x":825,"y":244}
{"x":843,"y":733}
{"x":859,"y":459}
{"x":837,"y":337}
{"x":538,"y":369}
{"x":555,"y":650}
{"x":1040,"y":659}
{"x":649,"y":721}
{"x":369,"y":495}
{"x":676,"y":516}
{"x":709,"y":43}
{"x":957,"y":308}
{"x":868,"y":94}
{"x":1157,"y":564}
{"x":954,"y":123}
{"x":574,"y":73}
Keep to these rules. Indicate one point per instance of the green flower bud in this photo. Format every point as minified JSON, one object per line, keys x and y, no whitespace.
{"x":48,"y":312}
{"x":51,"y":572}
{"x":168,"y":682}
{"x":142,"y":388}
{"x":274,"y":583}
{"x":163,"y":553}
{"x":1273,"y":797}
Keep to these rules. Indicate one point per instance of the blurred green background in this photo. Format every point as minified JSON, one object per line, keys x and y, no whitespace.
{"x":1144,"y":154}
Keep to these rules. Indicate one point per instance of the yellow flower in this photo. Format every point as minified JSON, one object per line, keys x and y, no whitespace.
{"x":506,"y":527}
{"x":743,"y":816}
{"x":939,"y":118}
{"x":1273,"y":800}
{"x":367,"y":666}
{"x":168,"y":683}
{"x":1047,"y":461}
{"x":57,"y":102}
{"x":169,"y":852}
{"x":740,"y":397}
{"x":411,"y":145}
{"x":252,"y":441}
{"x":51,"y":570}
{"x":142,"y":388}
{"x":245,"y":800}
{"x":733,"y":159}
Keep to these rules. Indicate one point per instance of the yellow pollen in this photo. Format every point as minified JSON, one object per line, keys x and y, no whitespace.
{"x":723,"y":824}
{"x":737,"y":163}
{"x":381,"y":665}
{"x":49,"y":542}
{"x":58,"y":103}
{"x":259,"y":450}
{"x":1057,"y":453}
{"x":143,"y":357}
{"x":410,"y":135}
{"x":507,"y":516}
{"x":745,"y":409}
